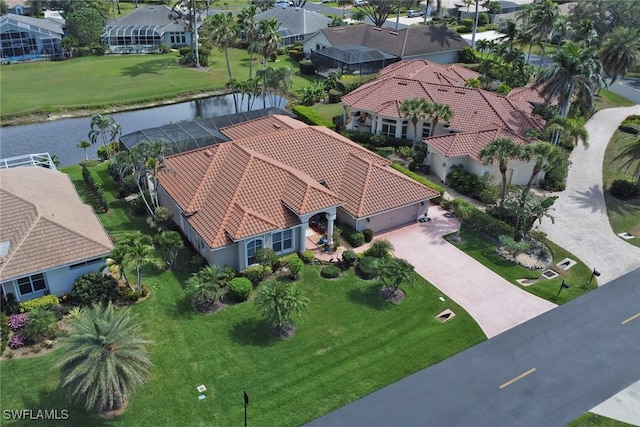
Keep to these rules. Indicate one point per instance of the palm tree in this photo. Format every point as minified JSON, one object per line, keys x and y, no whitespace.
{"x":105,"y":358}
{"x":416,"y":109}
{"x":269,"y":38}
{"x":394,"y":272}
{"x":116,"y":262}
{"x":249,"y":25}
{"x":437,"y":112}
{"x":278,"y":301}
{"x":482,"y":45}
{"x":224,"y":33}
{"x":543,"y":19}
{"x":462,"y":211}
{"x":84,"y":145}
{"x":510,"y":32}
{"x":543,"y":154}
{"x":501,"y":150}
{"x":140,"y":253}
{"x":630,"y":155}
{"x":585,"y":32}
{"x":105,"y":128}
{"x":571,"y":130}
{"x":620,"y":52}
{"x":206,"y":286}
{"x":575,"y":74}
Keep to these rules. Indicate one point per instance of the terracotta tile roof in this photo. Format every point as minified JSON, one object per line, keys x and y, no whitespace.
{"x":249,"y":186}
{"x":527,"y":94}
{"x":262,"y":126}
{"x":471,"y":143}
{"x":406,"y":42}
{"x":474,"y":108}
{"x":430,"y":72}
{"x":46,"y":223}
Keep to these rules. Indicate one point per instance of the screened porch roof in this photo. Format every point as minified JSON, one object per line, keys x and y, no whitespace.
{"x":354,"y":54}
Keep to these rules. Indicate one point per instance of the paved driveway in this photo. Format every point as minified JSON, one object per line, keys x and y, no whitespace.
{"x":494,"y":303}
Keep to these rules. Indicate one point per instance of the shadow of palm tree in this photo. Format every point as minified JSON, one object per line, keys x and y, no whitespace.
{"x":253,"y":332}
{"x":591,"y":199}
{"x":146,"y":67}
{"x":367,"y":295}
{"x":56,"y":410}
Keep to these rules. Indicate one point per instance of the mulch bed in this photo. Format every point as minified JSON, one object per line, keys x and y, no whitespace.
{"x":388,"y":294}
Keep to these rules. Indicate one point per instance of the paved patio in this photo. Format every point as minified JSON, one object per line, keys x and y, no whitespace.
{"x":493,"y":302}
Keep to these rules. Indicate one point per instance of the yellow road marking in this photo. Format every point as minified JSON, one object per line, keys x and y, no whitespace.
{"x":635,"y":316}
{"x":519,"y":377}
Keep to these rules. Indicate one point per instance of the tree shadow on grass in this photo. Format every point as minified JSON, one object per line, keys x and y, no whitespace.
{"x":52,"y":403}
{"x":368,"y":296}
{"x":253,"y":332}
{"x":147,"y":67}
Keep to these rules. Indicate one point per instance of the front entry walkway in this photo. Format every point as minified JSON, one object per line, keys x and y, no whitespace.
{"x":493,"y":302}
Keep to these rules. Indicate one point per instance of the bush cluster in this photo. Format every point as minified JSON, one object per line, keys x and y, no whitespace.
{"x":349,"y":258}
{"x":286,"y":259}
{"x":295,"y":267}
{"x":4,"y":329}
{"x":104,"y":151}
{"x":97,"y":191}
{"x":45,"y":302}
{"x":256,"y":273}
{"x":307,"y":67}
{"x":129,"y":294}
{"x":368,"y":267}
{"x":379,"y":249}
{"x":94,"y":288}
{"x":623,"y":189}
{"x":240,"y":288}
{"x":368,"y":234}
{"x":481,"y":221}
{"x":309,"y":116}
{"x":628,"y":124}
{"x":307,"y":257}
{"x":18,"y":321}
{"x":471,"y":184}
{"x":348,"y":83}
{"x":330,"y":272}
{"x":422,"y":180}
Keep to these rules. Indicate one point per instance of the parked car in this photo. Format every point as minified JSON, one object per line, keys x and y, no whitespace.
{"x":360,"y":2}
{"x":326,"y":1}
{"x":283,"y":4}
{"x":414,"y":13}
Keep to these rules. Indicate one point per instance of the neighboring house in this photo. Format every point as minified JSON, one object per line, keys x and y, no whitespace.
{"x":276,"y":178}
{"x":30,"y":39}
{"x":48,"y":237}
{"x":18,"y":7}
{"x":375,"y":107}
{"x":365,"y":49}
{"x":295,"y":23}
{"x":145,"y":29}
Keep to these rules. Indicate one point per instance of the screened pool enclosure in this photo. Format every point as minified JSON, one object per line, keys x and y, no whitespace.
{"x":133,"y":38}
{"x":351,"y":59}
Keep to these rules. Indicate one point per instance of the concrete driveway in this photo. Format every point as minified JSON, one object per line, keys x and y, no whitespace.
{"x":493,"y":302}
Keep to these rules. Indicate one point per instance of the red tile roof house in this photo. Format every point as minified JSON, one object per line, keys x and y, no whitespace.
{"x":479,"y":116}
{"x":262,"y":189}
{"x":48,"y":237}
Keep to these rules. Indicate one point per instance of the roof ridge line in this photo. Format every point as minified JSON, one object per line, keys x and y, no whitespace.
{"x":27,"y":232}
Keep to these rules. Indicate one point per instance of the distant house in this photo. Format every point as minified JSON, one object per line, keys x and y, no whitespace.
{"x":479,"y":115}
{"x":48,"y":237}
{"x":365,"y":49}
{"x":25,"y":38}
{"x":275,"y":180}
{"x":295,"y":23}
{"x":144,"y":30}
{"x":18,"y":7}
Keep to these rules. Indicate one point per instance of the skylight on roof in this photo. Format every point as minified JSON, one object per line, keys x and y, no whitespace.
{"x":4,"y":248}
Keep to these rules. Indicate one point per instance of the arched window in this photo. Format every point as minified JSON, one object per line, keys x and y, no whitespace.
{"x":252,"y":247}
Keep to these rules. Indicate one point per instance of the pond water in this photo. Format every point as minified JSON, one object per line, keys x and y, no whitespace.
{"x":61,"y":137}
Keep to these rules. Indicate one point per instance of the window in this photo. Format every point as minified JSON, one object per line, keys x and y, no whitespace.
{"x":31,"y":284}
{"x":85,"y":263}
{"x":404,"y":129}
{"x":388,"y":127}
{"x":282,"y":241}
{"x":253,"y":247}
{"x":426,"y":130}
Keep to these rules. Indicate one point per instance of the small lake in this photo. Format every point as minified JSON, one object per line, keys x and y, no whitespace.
{"x":61,"y":137}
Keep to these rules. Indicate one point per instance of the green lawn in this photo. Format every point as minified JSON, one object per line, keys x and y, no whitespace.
{"x":483,"y":250}
{"x":623,"y":215}
{"x":102,"y":81}
{"x":593,"y":420}
{"x":608,"y":99}
{"x":349,"y":343}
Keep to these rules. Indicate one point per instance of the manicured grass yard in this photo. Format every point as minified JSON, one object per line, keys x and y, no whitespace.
{"x":623,"y":215}
{"x":349,"y":343}
{"x":483,"y":250}
{"x":593,"y":420}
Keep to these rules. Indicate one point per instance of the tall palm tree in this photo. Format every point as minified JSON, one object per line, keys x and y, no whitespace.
{"x":224,"y":33}
{"x":140,"y":253}
{"x":575,"y":74}
{"x":571,"y":130}
{"x":249,"y":25}
{"x":584,"y":31}
{"x":501,"y":150}
{"x":630,"y":155}
{"x":416,"y":110}
{"x":269,"y":38}
{"x":482,"y":45}
{"x":437,"y":112}
{"x":278,"y":301}
{"x":510,"y":31}
{"x":462,"y":211}
{"x":105,"y":358}
{"x":84,"y":145}
{"x":105,"y":128}
{"x":544,"y":155}
{"x":543,"y":19}
{"x":394,"y":272}
{"x":620,"y":52}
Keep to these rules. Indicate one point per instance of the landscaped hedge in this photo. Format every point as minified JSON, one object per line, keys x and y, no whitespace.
{"x":4,"y":326}
{"x":307,"y":256}
{"x":307,"y":67}
{"x":628,"y":124}
{"x":421,"y":179}
{"x":256,"y":273}
{"x":311,"y":117}
{"x":347,"y":84}
{"x":479,"y":220}
{"x":45,"y":302}
{"x":368,"y":267}
{"x":286,"y":259}
{"x":95,"y":189}
{"x":94,"y":288}
{"x":349,"y":258}
{"x":330,"y":272}
{"x":623,"y":189}
{"x":240,"y":288}
{"x":355,"y":238}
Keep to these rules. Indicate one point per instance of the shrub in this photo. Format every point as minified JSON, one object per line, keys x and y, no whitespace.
{"x":46,"y":302}
{"x":334,"y":96}
{"x":330,"y":272}
{"x":349,"y":258}
{"x":286,"y":259}
{"x":41,"y":324}
{"x":368,"y":267}
{"x":379,"y":249}
{"x":467,"y":183}
{"x":422,"y":180}
{"x":4,"y":328}
{"x":307,"y":257}
{"x":307,"y":67}
{"x":18,"y":321}
{"x":145,"y":291}
{"x":356,"y":239}
{"x":94,"y":288}
{"x":468,"y":24}
{"x":503,"y":89}
{"x":555,"y":178}
{"x":623,"y":189}
{"x":240,"y":288}
{"x":512,"y":247}
{"x":467,"y":55}
{"x":311,"y":117}
{"x":481,"y":221}
{"x":256,"y":273}
{"x":17,"y":341}
{"x":368,"y":234}
{"x":298,"y":55}
{"x":129,"y":294}
{"x":295,"y":267}
{"x":628,"y":124}
{"x":104,"y":151}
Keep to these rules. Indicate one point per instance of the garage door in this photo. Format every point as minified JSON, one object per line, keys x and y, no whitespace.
{"x":394,"y":218}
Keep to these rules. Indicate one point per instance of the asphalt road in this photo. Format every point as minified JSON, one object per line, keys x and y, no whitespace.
{"x":545,"y":372}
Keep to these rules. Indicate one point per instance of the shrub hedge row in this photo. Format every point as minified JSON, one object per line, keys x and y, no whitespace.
{"x":45,"y":302}
{"x":256,"y":273}
{"x":421,"y":179}
{"x":355,"y":238}
{"x":479,"y":220}
{"x":4,"y":326}
{"x":95,"y":188}
{"x":309,"y":116}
